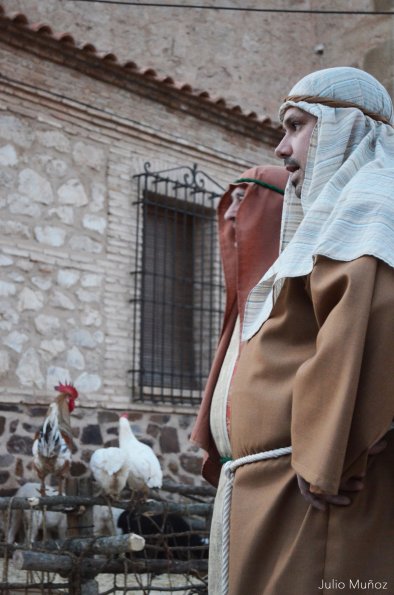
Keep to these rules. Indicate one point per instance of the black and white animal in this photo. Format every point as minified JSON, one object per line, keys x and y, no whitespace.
{"x":167,"y":536}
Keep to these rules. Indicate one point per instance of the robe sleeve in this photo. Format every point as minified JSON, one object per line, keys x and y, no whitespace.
{"x":343,"y":396}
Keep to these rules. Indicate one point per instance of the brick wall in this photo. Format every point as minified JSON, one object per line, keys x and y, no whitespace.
{"x":247,"y":57}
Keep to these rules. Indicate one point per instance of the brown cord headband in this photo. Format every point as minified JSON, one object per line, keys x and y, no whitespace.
{"x":336,"y":103}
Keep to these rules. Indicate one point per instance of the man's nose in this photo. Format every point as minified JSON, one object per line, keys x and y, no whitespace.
{"x":232,"y":210}
{"x":283,"y":149}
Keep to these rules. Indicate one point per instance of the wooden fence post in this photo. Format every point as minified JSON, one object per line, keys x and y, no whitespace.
{"x":80,"y":524}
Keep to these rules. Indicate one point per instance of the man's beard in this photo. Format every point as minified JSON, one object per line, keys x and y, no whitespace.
{"x":298,"y":172}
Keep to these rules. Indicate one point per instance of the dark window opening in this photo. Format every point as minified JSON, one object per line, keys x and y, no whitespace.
{"x":178,"y":303}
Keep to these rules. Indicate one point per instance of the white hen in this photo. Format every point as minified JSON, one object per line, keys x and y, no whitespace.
{"x":144,"y":467}
{"x":110,"y":469}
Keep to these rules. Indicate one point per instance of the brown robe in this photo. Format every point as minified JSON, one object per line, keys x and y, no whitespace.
{"x":257,"y":246}
{"x":317,"y":376}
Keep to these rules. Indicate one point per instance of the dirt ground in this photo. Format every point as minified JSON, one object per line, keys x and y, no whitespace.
{"x":108,"y":584}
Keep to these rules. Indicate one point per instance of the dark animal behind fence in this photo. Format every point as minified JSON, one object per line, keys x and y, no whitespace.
{"x":167,"y":536}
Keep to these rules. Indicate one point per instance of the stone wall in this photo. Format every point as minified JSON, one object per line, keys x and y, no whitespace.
{"x":70,"y":146}
{"x":167,"y":433}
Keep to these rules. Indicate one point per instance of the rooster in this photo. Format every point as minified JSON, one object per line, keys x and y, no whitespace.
{"x":144,"y":469}
{"x":53,"y":442}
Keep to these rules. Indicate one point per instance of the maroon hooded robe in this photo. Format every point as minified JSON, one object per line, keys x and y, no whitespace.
{"x":247,"y":251}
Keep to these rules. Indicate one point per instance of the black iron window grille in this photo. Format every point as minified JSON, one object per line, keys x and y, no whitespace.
{"x":178,"y":292}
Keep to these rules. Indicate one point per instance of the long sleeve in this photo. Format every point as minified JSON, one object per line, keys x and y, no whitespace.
{"x":343,"y":396}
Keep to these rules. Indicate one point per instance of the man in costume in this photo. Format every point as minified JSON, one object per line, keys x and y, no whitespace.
{"x":249,"y":219}
{"x":313,"y":392}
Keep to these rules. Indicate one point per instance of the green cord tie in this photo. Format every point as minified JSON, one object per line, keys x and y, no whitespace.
{"x":260,"y":183}
{"x":225,"y":460}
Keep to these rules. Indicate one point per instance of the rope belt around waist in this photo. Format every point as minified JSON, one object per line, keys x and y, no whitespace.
{"x":229,"y":469}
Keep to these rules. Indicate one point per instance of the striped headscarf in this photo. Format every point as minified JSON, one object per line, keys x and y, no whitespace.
{"x":347,"y":200}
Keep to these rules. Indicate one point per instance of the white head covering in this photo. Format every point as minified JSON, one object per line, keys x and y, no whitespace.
{"x":347,"y":199}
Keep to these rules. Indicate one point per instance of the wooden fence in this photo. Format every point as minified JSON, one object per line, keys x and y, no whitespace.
{"x":161,"y":548}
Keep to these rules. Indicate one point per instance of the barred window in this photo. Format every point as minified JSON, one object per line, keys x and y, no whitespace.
{"x":178,"y":299}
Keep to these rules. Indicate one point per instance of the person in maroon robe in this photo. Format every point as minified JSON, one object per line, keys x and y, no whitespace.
{"x":249,"y":219}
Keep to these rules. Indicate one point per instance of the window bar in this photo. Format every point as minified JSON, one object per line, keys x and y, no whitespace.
{"x":142,"y":207}
{"x":173,"y":298}
{"x":202,"y":289}
{"x":136,"y":368}
{"x":156,"y":300}
{"x":163,"y":367}
{"x":211,"y":222}
{"x":192,"y":301}
{"x":182,"y":307}
{"x":193,"y":296}
{"x":211,"y":288}
{"x":198,"y":322}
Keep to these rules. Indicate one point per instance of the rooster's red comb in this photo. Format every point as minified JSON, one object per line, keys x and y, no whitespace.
{"x":67,"y":388}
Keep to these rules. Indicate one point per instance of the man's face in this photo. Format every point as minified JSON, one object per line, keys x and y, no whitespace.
{"x":236,"y":198}
{"x":293,"y":148}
